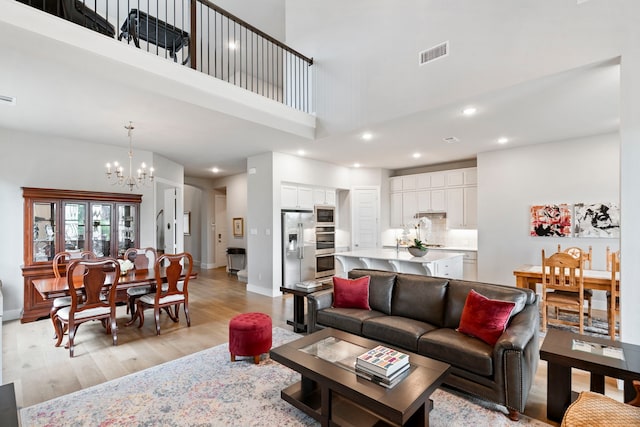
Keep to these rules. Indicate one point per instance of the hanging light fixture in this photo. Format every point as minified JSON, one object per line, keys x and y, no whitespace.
{"x":116,"y":176}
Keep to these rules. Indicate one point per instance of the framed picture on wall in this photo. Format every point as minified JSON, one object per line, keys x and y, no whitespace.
{"x":238,"y":227}
{"x":597,"y":220}
{"x":550,"y":220}
{"x":186,"y":220}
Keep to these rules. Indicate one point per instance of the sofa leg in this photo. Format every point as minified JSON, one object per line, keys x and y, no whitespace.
{"x":513,"y":415}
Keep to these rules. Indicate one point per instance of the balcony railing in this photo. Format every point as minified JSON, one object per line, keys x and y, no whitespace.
{"x":201,"y":35}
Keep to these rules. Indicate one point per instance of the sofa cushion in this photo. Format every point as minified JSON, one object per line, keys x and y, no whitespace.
{"x":459,"y":289}
{"x":399,"y":331}
{"x":458,"y":350}
{"x":380,"y":288}
{"x":346,"y":319}
{"x":351,"y":293}
{"x":485,"y":318}
{"x":420,"y":298}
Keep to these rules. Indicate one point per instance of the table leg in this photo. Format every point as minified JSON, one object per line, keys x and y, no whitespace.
{"x":558,"y":390}
{"x":597,"y":383}
{"x":420,"y":418}
{"x":298,"y":314}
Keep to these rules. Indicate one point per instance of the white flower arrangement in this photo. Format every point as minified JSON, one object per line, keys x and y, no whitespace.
{"x":418,"y":225}
{"x":125,"y":265}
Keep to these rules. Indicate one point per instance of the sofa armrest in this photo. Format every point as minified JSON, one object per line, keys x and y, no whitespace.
{"x":317,"y":301}
{"x":516,"y":356}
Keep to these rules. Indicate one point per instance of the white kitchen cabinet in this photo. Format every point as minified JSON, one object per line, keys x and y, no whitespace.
{"x":462,"y":207}
{"x":471,"y":176}
{"x":423,"y":181}
{"x":296,"y":197}
{"x":323,"y":196}
{"x":409,"y":182}
{"x":455,"y":178}
{"x":395,"y":215}
{"x":395,"y":184}
{"x":449,"y":267}
{"x":409,"y":207}
{"x":431,"y":201}
{"x":470,"y":265}
{"x":437,"y":179}
{"x":470,"y":212}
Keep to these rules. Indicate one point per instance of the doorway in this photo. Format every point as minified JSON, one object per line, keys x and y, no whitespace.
{"x":220,"y":230}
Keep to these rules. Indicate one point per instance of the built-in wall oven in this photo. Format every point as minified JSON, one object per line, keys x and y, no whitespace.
{"x":325,"y":248}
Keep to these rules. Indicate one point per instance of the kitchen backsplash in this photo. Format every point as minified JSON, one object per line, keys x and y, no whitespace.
{"x":437,"y":235}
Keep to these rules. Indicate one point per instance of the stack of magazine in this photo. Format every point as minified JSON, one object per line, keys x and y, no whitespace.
{"x":382,"y":365}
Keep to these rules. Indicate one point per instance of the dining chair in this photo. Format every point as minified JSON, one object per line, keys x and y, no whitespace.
{"x":61,"y":260}
{"x":562,"y":287}
{"x":609,"y":254}
{"x":170,"y":294}
{"x":613,"y":297}
{"x":142,"y":259}
{"x":86,"y":297}
{"x":586,"y":259}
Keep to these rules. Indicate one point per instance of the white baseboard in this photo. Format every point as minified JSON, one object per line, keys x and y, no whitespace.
{"x":263,"y":291}
{"x":11,"y":315}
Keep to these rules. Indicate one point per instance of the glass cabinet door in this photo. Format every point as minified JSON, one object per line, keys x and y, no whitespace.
{"x":127,"y":224}
{"x":101,"y":229}
{"x":75,"y":230}
{"x":44,"y":226}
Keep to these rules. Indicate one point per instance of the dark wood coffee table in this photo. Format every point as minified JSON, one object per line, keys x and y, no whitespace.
{"x":557,"y":351}
{"x":331,"y":393}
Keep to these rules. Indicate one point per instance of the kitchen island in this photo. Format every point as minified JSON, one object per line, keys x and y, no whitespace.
{"x":434,"y":263}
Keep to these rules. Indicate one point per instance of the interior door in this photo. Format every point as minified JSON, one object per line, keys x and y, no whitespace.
{"x":220,"y":230}
{"x":365,"y":218}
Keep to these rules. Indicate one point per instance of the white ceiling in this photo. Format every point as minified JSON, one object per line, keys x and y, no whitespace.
{"x":67,"y":91}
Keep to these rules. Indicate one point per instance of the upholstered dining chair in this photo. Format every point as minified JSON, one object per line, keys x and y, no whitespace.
{"x":142,"y":259}
{"x":170,"y":294}
{"x":587,"y":258}
{"x":613,"y":297}
{"x":89,"y":304}
{"x":562,"y":287}
{"x":61,"y":260}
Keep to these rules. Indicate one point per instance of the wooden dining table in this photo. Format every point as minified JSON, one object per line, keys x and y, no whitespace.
{"x":528,"y":276}
{"x":54,"y":287}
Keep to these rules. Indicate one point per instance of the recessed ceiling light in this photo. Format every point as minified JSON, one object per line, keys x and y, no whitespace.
{"x":356,"y":165}
{"x":503,"y":140}
{"x":367,"y":136}
{"x":469,"y":111}
{"x":416,"y":155}
{"x":301,"y":153}
{"x":215,"y":170}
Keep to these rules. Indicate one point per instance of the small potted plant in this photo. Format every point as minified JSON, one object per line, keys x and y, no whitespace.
{"x":419,"y":248}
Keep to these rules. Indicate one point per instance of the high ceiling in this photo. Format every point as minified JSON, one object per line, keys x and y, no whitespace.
{"x":68,"y":91}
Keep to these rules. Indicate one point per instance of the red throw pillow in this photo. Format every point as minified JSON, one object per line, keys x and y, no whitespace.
{"x":351,"y":293}
{"x":485,"y":318}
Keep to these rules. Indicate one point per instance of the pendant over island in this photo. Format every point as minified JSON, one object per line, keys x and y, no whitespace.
{"x":434,"y":263}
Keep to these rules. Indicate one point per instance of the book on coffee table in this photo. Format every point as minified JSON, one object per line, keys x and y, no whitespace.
{"x":309,"y":284}
{"x":382,"y":361}
{"x":387,"y":382}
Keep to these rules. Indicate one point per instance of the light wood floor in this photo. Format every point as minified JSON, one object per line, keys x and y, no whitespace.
{"x":41,"y":371}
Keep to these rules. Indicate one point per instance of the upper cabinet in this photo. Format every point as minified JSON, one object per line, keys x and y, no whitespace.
{"x":323,"y":196}
{"x":300,"y":197}
{"x":453,"y":192}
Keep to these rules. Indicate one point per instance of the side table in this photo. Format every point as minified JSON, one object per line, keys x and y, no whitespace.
{"x":298,"y":322}
{"x":557,"y":350}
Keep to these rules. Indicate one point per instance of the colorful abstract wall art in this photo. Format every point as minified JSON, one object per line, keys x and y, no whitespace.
{"x":597,"y":220}
{"x":551,"y":220}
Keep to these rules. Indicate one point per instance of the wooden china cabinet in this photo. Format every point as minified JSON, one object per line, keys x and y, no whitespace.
{"x":66,"y":220}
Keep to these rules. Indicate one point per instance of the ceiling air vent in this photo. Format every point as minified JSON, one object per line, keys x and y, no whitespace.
{"x":433,"y":53}
{"x":451,"y":139}
{"x":11,"y":100}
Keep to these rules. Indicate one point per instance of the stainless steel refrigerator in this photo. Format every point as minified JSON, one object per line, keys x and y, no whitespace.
{"x":298,"y":247}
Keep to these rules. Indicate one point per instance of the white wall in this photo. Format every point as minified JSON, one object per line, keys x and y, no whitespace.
{"x":193,"y":203}
{"x":33,"y":160}
{"x":510,"y":181}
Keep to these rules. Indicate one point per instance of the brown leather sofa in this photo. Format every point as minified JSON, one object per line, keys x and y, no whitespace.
{"x":421,"y":314}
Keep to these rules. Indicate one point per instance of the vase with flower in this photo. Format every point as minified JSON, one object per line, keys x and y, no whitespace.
{"x":419,"y":248}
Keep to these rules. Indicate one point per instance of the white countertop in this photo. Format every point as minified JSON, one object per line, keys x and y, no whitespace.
{"x":401,"y":255}
{"x":439,"y":248}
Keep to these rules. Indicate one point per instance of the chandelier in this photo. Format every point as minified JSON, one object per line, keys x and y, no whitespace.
{"x":116,"y":176}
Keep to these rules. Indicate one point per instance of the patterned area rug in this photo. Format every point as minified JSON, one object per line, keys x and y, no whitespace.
{"x":598,"y":328}
{"x":206,"y":389}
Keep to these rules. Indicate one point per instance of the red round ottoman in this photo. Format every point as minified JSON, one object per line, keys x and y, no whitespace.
{"x":249,"y":335}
